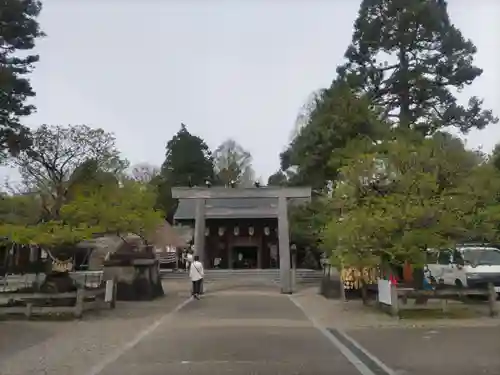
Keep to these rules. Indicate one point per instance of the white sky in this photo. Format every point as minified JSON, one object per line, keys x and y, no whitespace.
{"x":239,"y":68}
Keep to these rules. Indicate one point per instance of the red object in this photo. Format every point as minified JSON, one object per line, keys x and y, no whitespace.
{"x":393,"y":280}
{"x":408,"y":273}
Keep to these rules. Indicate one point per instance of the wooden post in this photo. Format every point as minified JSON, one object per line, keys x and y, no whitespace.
{"x":343,"y":294}
{"x":110,"y":292}
{"x":284,"y":246}
{"x":394,"y":300}
{"x":80,"y":294}
{"x":444,"y":305}
{"x":29,"y":309}
{"x":112,"y":305}
{"x":199,"y":231}
{"x":492,"y":300}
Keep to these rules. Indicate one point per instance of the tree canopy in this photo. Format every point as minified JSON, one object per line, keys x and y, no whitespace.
{"x":62,"y":157}
{"x":278,"y":178}
{"x":188,"y":160}
{"x":388,"y":180}
{"x":18,"y":34}
{"x":409,"y":195}
{"x":233,"y":165}
{"x":110,"y":209}
{"x":338,"y":117}
{"x":20,"y":209}
{"x":124,"y":209}
{"x":410,"y":60}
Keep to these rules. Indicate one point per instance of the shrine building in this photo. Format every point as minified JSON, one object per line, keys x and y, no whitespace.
{"x":240,"y":227}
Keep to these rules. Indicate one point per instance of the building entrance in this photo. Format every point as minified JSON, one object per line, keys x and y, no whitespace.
{"x":245,"y":257}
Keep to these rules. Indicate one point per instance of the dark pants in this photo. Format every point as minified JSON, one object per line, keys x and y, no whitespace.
{"x":197,"y":285}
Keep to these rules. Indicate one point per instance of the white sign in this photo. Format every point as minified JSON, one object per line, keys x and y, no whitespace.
{"x":384,"y":292}
{"x":108,"y":296}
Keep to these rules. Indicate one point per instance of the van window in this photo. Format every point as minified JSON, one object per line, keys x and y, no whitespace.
{"x":444,"y":257}
{"x":432,"y":256}
{"x":482,"y":256}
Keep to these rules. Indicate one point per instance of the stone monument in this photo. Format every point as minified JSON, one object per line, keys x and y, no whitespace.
{"x":136,"y":270}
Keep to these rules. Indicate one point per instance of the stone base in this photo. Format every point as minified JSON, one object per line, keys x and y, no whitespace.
{"x":136,"y":282}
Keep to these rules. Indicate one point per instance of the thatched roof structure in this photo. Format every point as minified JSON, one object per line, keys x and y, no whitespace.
{"x":167,"y":236}
{"x":163,"y":238}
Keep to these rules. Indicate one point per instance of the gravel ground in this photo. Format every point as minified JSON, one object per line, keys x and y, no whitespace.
{"x":246,"y":327}
{"x":353,"y":315}
{"x":72,"y":347}
{"x":249,"y":329}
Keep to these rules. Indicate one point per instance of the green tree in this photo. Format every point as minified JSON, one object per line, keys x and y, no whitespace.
{"x":407,"y":196}
{"x":164,"y":201}
{"x":120,"y":210}
{"x":278,"y":178}
{"x":188,"y":160}
{"x":18,"y":33}
{"x":316,"y":153}
{"x":410,"y":59}
{"x":494,"y":158}
{"x":233,"y":165}
{"x":60,"y":158}
{"x":308,"y":220}
{"x":112,"y":209}
{"x":19,"y":209}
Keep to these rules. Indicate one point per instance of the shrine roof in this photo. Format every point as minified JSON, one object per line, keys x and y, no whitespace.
{"x":250,"y":208}
{"x":236,"y":203}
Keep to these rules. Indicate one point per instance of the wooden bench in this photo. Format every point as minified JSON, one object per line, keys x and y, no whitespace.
{"x":36,"y":303}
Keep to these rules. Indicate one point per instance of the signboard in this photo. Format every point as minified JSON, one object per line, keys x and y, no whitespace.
{"x":108,"y":296}
{"x":384,"y":292}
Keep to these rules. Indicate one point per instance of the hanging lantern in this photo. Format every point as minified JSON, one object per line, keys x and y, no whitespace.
{"x":221,"y":231}
{"x":267,"y":231}
{"x":207,"y":231}
{"x":251,"y":231}
{"x":236,"y":231}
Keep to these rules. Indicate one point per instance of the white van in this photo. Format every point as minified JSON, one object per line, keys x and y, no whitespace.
{"x":471,"y":266}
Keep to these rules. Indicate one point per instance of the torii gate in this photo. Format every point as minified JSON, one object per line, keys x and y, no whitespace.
{"x":281,"y":213}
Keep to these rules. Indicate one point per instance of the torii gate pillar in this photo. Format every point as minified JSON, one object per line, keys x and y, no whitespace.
{"x":281,"y":213}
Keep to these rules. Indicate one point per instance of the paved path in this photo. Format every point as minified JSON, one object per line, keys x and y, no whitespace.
{"x":233,"y":332}
{"x":432,"y":351}
{"x":240,"y":329}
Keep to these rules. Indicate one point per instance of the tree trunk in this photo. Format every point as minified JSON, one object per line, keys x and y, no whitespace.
{"x":364,"y":292}
{"x":404,"y":90}
{"x":418,"y":283}
{"x":364,"y":289}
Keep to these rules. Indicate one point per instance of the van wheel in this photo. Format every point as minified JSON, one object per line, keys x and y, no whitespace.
{"x":459,"y":284}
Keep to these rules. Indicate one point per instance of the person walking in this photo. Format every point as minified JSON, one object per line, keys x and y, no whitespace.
{"x":196,"y":274}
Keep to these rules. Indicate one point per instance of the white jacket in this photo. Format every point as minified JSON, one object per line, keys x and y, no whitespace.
{"x":196,"y":271}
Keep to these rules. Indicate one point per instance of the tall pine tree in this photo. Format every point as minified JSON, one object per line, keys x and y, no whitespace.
{"x":19,"y":29}
{"x":188,"y":160}
{"x":410,"y":58}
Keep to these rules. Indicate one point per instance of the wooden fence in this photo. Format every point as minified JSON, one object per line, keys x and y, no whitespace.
{"x":400,"y":296}
{"x":31,"y":304}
